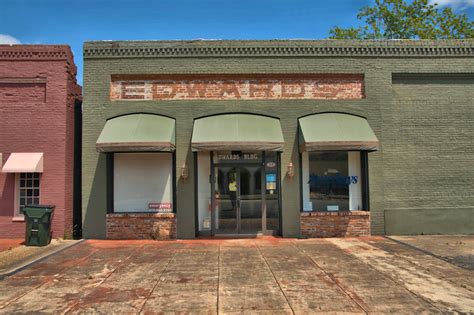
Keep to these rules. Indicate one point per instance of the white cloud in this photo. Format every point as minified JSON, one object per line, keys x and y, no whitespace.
{"x":455,"y":4}
{"x":8,"y":40}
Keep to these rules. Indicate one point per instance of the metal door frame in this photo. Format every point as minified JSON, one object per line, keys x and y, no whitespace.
{"x":238,"y":167}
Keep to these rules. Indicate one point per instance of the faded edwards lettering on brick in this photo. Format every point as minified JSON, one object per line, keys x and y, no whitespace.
{"x":317,"y":87}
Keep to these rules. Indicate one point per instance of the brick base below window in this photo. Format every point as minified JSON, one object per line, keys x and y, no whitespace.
{"x":158,"y":226}
{"x":335,"y":224}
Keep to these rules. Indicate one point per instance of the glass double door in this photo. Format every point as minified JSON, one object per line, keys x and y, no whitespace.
{"x":238,"y":199}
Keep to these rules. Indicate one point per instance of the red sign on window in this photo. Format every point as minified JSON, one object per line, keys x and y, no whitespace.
{"x":161,"y":206}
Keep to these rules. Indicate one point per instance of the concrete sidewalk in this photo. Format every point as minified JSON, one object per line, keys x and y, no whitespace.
{"x":19,"y":256}
{"x":364,"y":275}
{"x":8,"y":244}
{"x":456,"y":249}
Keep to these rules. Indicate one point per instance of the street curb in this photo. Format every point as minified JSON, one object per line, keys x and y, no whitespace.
{"x":37,"y":260}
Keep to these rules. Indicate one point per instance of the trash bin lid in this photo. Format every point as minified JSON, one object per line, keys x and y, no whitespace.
{"x":37,"y":211}
{"x":40,"y":206}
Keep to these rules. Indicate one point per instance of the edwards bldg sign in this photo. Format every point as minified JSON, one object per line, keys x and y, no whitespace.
{"x":237,"y":87}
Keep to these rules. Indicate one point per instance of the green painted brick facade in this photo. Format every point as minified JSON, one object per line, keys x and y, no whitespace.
{"x":422,"y":178}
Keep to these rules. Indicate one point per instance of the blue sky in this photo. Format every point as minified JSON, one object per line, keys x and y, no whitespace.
{"x":74,"y":21}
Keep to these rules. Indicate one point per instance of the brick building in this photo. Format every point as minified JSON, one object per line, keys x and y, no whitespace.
{"x":294,"y":138}
{"x":40,"y":110}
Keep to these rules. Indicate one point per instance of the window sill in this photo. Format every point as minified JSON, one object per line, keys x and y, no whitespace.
{"x":334,"y":213}
{"x":140,"y":215}
{"x":18,"y":219}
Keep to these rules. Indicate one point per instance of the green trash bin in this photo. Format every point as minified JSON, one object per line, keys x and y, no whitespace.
{"x":38,"y":224}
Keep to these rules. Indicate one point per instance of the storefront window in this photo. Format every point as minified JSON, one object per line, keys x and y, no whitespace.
{"x":143,"y":182}
{"x":331,"y":181}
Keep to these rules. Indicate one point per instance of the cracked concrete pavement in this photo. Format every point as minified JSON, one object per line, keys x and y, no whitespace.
{"x":269,"y":275}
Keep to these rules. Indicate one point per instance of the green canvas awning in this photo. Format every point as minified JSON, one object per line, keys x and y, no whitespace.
{"x":336,"y":131}
{"x":137,"y":132}
{"x":237,"y":132}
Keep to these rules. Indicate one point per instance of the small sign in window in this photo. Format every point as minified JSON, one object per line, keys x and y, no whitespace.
{"x":271,"y":182}
{"x":162,"y":207}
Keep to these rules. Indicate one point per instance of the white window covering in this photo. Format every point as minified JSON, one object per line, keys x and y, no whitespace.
{"x":141,"y":179}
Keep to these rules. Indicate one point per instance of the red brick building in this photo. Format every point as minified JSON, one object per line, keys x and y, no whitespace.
{"x":40,"y":104}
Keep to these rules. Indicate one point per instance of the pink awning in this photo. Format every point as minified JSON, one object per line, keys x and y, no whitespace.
{"x":24,"y":163}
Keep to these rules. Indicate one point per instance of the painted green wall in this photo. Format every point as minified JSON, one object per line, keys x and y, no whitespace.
{"x":424,"y":126}
{"x":429,"y":221}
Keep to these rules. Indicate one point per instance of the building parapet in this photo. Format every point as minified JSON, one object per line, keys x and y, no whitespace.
{"x":279,"y":48}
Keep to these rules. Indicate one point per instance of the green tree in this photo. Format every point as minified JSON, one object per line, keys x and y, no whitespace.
{"x":399,"y":19}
